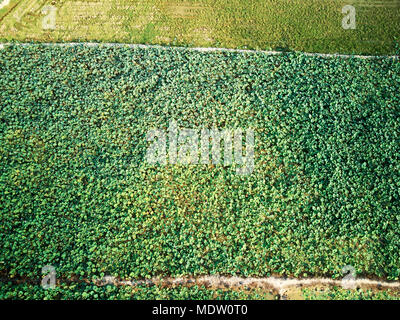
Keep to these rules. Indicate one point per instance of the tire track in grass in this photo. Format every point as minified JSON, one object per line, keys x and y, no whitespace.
{"x":3,"y":5}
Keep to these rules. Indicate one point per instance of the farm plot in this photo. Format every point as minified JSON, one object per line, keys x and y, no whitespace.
{"x":78,"y":193}
{"x":302,"y":25}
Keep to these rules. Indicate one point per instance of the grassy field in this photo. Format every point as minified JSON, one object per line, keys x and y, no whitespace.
{"x":303,"y":25}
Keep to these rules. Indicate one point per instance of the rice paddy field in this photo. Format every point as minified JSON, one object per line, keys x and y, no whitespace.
{"x":77,"y":189}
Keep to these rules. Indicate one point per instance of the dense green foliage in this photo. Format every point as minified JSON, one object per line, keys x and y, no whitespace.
{"x":84,"y":291}
{"x":342,"y":294}
{"x":76,"y":192}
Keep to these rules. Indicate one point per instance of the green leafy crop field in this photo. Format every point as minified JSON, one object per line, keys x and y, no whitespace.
{"x":301,"y":25}
{"x":85,"y":291}
{"x":342,"y":294}
{"x":77,"y":192}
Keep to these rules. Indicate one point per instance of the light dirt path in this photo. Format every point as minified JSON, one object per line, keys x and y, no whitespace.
{"x":95,"y":44}
{"x":280,"y":286}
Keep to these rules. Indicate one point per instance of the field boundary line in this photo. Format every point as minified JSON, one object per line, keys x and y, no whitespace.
{"x":197,"y":49}
{"x":276,"y":283}
{"x":219,"y":281}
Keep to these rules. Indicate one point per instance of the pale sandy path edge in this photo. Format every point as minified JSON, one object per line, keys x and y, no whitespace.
{"x":198,"y":49}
